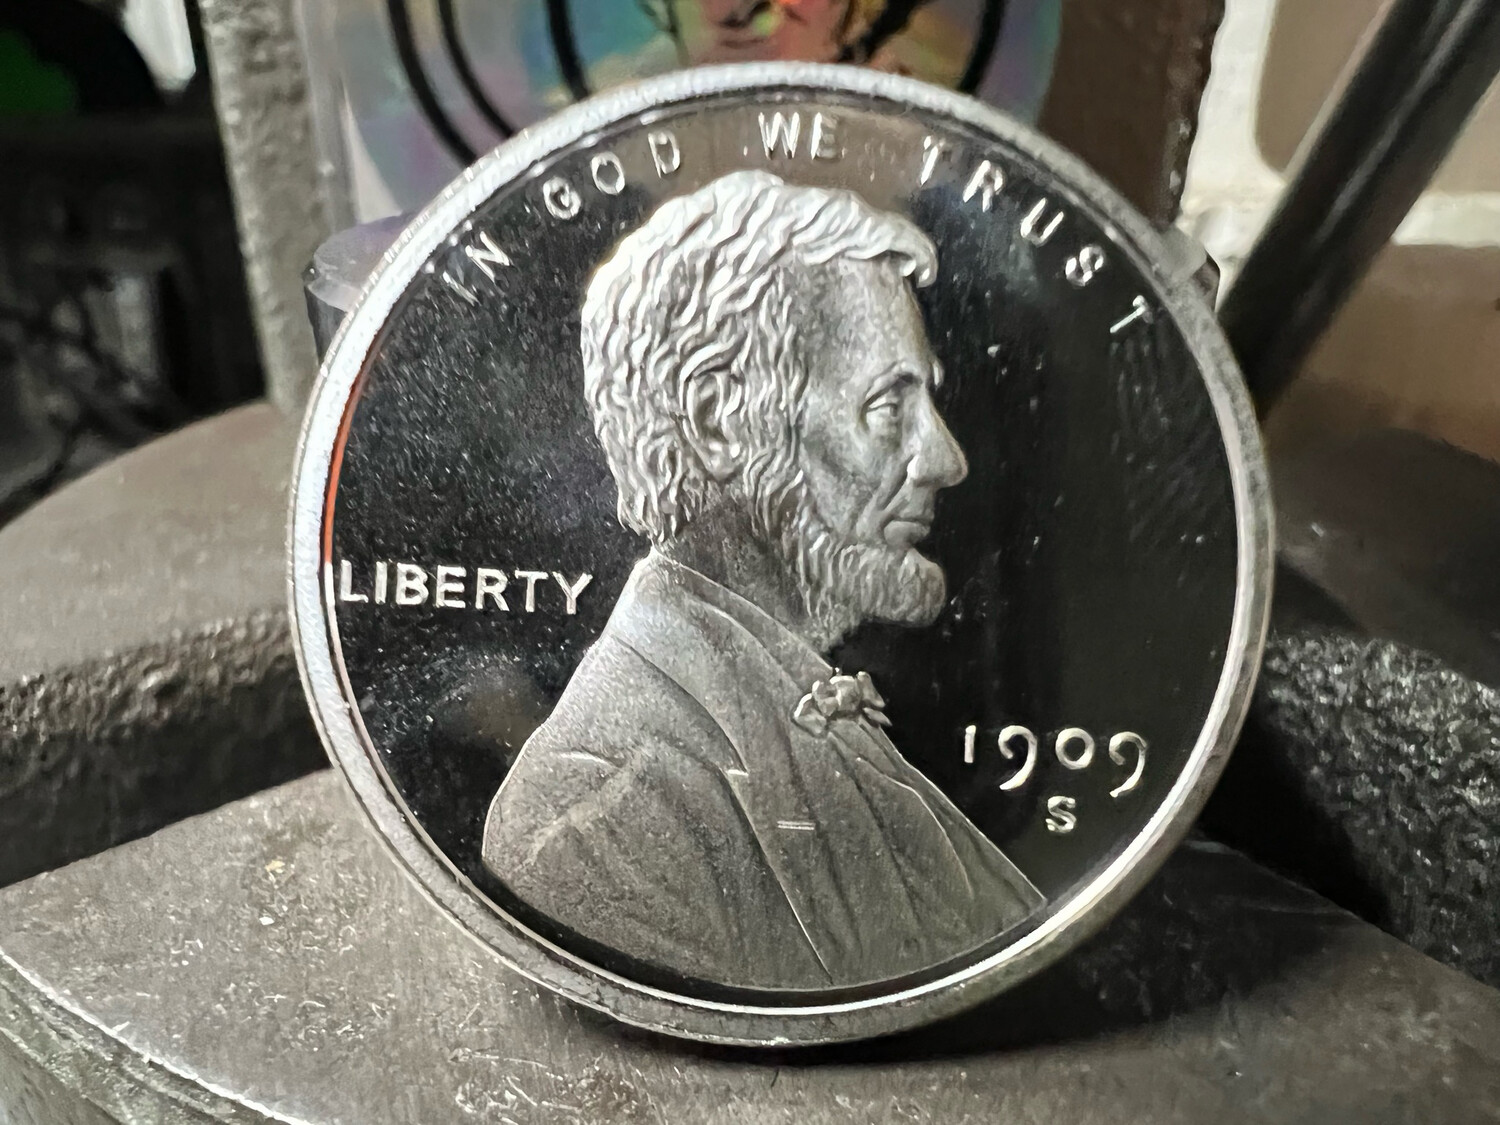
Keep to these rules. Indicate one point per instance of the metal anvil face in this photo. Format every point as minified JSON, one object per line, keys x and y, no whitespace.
{"x":172,"y":978}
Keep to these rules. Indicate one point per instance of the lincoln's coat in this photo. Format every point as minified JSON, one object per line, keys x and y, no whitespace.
{"x":672,"y":809}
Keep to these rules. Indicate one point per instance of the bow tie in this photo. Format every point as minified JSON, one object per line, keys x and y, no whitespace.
{"x":840,"y":697}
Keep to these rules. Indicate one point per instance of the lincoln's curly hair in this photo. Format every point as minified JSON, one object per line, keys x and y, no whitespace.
{"x":705,"y":289}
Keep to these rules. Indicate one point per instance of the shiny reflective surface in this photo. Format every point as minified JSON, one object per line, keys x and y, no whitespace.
{"x":459,"y":562}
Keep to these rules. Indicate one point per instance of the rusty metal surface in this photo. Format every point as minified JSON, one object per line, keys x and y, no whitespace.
{"x":1386,"y":762}
{"x":1375,"y":731}
{"x":1125,"y":90}
{"x":147,"y":670}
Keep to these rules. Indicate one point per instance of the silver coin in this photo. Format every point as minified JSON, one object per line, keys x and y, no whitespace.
{"x":777,"y":555}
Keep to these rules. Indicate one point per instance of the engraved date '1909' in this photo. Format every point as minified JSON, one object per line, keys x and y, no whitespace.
{"x":1075,"y":749}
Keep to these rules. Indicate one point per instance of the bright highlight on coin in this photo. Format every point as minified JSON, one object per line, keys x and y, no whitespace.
{"x":777,"y":555}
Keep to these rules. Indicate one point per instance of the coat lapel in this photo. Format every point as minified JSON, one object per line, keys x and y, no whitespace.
{"x":714,"y":645}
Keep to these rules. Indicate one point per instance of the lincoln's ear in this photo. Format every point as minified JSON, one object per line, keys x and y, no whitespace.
{"x":706,"y":407}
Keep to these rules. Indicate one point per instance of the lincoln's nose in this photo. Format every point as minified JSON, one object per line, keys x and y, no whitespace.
{"x":938,"y":461}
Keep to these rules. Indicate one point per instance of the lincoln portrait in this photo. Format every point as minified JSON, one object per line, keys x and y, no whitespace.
{"x":710,"y":796}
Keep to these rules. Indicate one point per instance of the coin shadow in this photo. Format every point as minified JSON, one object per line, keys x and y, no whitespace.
{"x":1209,"y":927}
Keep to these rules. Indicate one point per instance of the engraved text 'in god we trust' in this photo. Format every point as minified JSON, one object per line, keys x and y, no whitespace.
{"x":458,"y":587}
{"x":473,"y":259}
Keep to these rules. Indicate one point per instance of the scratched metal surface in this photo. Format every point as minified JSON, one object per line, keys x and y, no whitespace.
{"x":267,"y":962}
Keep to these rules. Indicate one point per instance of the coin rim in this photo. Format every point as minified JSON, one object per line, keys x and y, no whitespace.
{"x":320,"y":660}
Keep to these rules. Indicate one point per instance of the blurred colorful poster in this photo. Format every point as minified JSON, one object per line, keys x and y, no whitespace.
{"x":429,"y":84}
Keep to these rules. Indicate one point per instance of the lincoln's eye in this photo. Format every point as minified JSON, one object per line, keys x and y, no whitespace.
{"x":883,"y":411}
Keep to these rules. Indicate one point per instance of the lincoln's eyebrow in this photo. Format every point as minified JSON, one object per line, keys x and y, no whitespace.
{"x":900,"y":372}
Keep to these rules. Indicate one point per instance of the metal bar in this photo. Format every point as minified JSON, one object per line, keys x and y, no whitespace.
{"x":1374,"y":150}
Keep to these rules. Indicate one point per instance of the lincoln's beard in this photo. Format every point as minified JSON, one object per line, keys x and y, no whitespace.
{"x":844,"y":583}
